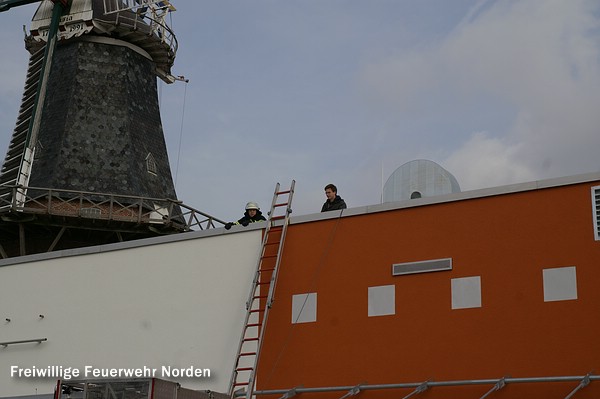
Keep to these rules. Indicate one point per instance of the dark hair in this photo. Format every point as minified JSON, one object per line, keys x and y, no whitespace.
{"x":332,"y":187}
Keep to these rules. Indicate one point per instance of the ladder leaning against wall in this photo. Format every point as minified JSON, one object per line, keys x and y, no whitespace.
{"x":261,"y":295}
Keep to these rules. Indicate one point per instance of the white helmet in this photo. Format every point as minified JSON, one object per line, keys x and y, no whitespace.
{"x":252,"y":205}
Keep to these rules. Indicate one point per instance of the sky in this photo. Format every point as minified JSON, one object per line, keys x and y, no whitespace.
{"x":346,"y":91}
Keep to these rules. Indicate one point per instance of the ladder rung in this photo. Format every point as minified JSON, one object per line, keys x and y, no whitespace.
{"x":266,"y":270}
{"x":248,"y":354}
{"x":29,"y":91}
{"x":284,"y":192}
{"x":269,"y":256}
{"x":244,"y":369}
{"x":256,"y":310}
{"x":10,"y":161}
{"x":33,"y":78}
{"x":254,"y":325}
{"x":20,"y":132}
{"x":277,"y":217}
{"x":250,"y":339}
{"x":259,"y":297}
{"x":22,"y":123}
{"x":282,"y":204}
{"x":237,"y":384}
{"x":25,"y":112}
{"x":10,"y":170}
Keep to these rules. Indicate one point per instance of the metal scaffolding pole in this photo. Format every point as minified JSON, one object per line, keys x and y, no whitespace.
{"x":584,"y":382}
{"x":419,"y":387}
{"x":499,"y":385}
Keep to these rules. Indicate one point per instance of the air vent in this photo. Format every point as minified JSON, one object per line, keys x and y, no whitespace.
{"x":435,"y":265}
{"x":596,"y":211}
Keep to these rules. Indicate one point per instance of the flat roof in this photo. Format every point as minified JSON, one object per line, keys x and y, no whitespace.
{"x":360,"y":210}
{"x":452,"y":197}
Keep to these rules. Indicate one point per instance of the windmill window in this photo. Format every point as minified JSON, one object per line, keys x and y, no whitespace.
{"x":151,"y":164}
{"x":596,"y":211}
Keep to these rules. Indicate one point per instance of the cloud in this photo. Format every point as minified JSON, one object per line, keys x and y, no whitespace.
{"x":538,"y":62}
{"x":485,"y":161}
{"x":495,"y":91}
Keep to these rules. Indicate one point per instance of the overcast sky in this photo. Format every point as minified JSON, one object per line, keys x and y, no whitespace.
{"x":345,"y":92}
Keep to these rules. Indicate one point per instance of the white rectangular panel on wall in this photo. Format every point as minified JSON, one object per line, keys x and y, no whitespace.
{"x":560,"y":284}
{"x":466,"y":292}
{"x":382,"y":300}
{"x":304,"y":308}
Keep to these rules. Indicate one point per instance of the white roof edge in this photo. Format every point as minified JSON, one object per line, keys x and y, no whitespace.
{"x":464,"y":195}
{"x":130,"y":244}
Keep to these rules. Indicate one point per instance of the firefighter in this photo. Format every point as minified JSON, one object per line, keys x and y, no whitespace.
{"x":252,"y":215}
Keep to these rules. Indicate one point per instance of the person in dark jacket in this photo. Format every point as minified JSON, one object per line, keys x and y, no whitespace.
{"x":334,"y":202}
{"x":252,"y":215}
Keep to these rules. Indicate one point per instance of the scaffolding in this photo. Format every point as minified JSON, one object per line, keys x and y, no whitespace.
{"x":419,"y":387}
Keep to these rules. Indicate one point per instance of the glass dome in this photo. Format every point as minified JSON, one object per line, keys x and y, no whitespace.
{"x":417,"y":179}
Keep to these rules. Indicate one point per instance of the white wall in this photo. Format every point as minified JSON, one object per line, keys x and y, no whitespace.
{"x":178,"y":304}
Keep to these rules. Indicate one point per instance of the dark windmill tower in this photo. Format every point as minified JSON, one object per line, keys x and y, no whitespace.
{"x":87,"y":163}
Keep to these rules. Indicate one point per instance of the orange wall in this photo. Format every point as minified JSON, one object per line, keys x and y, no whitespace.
{"x":507,"y":240}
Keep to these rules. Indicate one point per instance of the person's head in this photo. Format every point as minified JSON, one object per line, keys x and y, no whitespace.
{"x":252,"y":208}
{"x":330,"y":191}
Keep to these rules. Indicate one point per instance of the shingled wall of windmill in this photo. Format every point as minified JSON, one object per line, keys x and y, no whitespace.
{"x":102,"y":124}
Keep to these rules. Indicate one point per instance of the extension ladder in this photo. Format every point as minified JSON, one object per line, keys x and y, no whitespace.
{"x":261,"y":295}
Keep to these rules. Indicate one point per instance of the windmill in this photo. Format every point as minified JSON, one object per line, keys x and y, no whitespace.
{"x":87,"y":162}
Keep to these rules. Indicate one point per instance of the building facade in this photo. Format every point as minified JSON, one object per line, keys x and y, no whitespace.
{"x":441,"y":297}
{"x":471,"y":286}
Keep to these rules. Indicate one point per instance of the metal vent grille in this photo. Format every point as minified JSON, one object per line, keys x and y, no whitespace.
{"x":435,"y":265}
{"x":596,"y":211}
